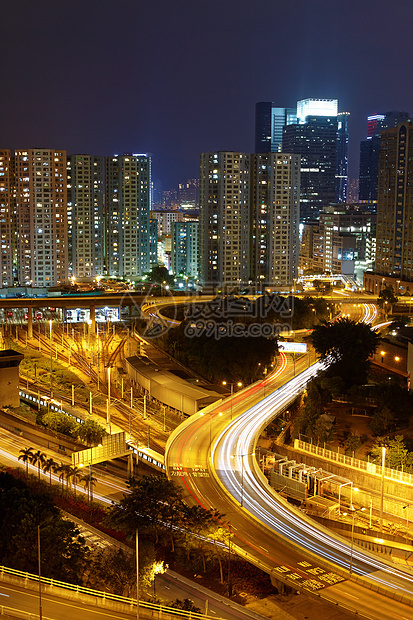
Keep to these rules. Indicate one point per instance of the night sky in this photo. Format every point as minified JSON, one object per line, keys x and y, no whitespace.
{"x":177,"y":78}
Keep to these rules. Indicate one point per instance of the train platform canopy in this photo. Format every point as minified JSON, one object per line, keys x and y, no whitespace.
{"x":168,"y":388}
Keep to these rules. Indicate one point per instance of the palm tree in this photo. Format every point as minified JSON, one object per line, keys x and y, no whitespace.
{"x":49,"y":467}
{"x":26,"y":455}
{"x":62,"y":471}
{"x":89,"y":482}
{"x":39,"y":459}
{"x":74,"y":475}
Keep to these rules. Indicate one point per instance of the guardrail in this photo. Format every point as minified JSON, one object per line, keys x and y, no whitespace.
{"x":163,"y":611}
{"x":349,"y":461}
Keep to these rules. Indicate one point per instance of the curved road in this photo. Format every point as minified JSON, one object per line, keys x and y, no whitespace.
{"x":212,"y":456}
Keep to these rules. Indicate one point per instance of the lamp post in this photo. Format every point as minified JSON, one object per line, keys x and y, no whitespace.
{"x":407,"y":527}
{"x":242,"y":472}
{"x":40,"y":577}
{"x":108,"y":401}
{"x":229,"y":562}
{"x":137,"y":574}
{"x":238,"y":384}
{"x":383,"y":461}
{"x":201,"y":413}
{"x":353,"y":511}
{"x":51,"y":359}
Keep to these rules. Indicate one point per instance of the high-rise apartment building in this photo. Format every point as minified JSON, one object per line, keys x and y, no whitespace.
{"x":85,"y":216}
{"x":165,"y":219}
{"x":127,"y":206}
{"x":249,"y":219}
{"x":7,"y":220}
{"x":394,"y":254}
{"x":370,"y":150}
{"x":41,"y":217}
{"x":343,"y":241}
{"x":276,"y":211}
{"x":184,"y":248}
{"x":153,"y":242}
{"x":225,"y":218}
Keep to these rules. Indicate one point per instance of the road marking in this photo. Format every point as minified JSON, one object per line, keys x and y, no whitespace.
{"x":1,"y":594}
{"x":266,"y":550}
{"x":352,"y":595}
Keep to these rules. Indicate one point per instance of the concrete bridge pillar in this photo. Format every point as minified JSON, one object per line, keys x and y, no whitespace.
{"x":30,"y":322}
{"x":92,"y":318}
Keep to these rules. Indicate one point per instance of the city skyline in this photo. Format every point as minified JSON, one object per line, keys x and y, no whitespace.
{"x":178,"y":80}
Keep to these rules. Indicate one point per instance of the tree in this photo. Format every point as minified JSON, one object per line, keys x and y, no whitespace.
{"x":73,"y":475}
{"x":159,"y":274}
{"x":397,"y":455}
{"x":63,"y":550}
{"x":26,"y":455}
{"x":91,"y":432}
{"x":61,"y":423}
{"x":348,"y":345}
{"x":49,"y":467}
{"x":382,"y":421}
{"x":39,"y":459}
{"x":186,"y":605}
{"x":387,"y":299}
{"x":89,"y":482}
{"x":150,"y":506}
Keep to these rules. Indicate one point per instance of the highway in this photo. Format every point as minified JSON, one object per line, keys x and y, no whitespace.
{"x":212,"y":457}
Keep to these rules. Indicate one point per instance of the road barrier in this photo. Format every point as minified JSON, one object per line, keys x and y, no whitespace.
{"x":97,"y":597}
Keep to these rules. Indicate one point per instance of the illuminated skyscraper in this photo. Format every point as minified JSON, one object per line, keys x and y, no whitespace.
{"x":276,"y":211}
{"x":319,"y":133}
{"x":394,"y":253}
{"x":85,"y":215}
{"x":249,"y":217}
{"x":41,"y":217}
{"x":127,"y":205}
{"x":269,"y":123}
{"x":225,"y":219}
{"x":370,"y":150}
{"x":7,"y":208}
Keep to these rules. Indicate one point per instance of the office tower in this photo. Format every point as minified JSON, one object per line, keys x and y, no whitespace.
{"x":342,"y":157}
{"x":7,"y":208}
{"x":85,"y":216}
{"x":127,"y":205}
{"x":184,"y":248}
{"x":320,"y":136}
{"x":153,"y":242}
{"x":188,"y":195}
{"x":225,"y":219}
{"x":269,"y":123}
{"x":41,"y":217}
{"x":370,"y":150}
{"x":394,"y":254}
{"x":276,"y":206}
{"x":316,"y":142}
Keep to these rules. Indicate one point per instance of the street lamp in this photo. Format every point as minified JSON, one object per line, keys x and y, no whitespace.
{"x":238,"y":384}
{"x":108,"y":401}
{"x":242,"y":472}
{"x":51,"y":358}
{"x":201,"y":413}
{"x":383,"y":461}
{"x":353,"y":511}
